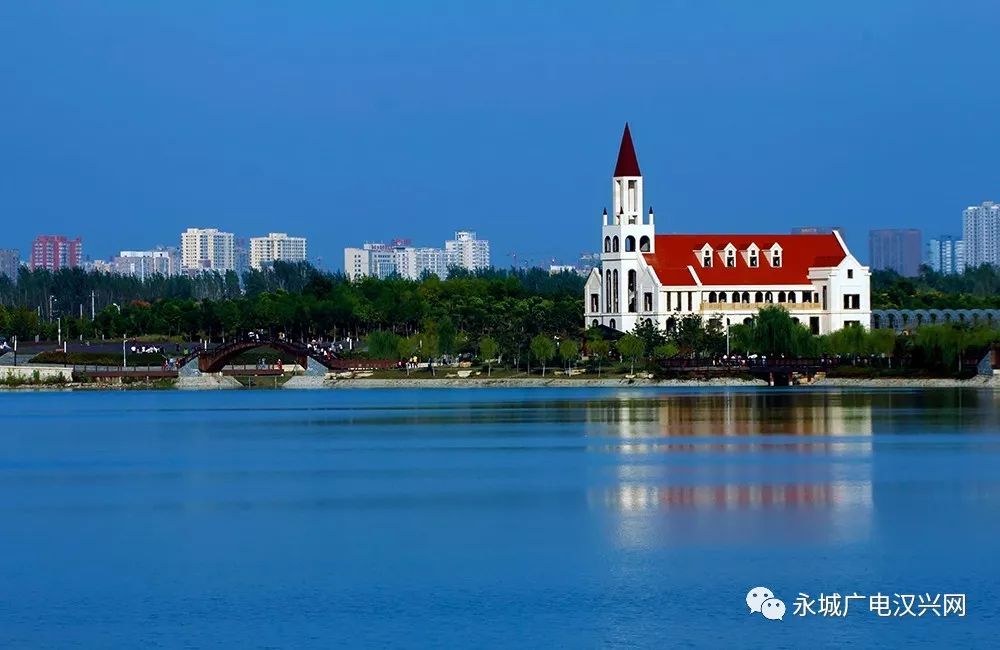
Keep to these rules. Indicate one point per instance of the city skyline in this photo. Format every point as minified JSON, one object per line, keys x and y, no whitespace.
{"x":342,"y":113}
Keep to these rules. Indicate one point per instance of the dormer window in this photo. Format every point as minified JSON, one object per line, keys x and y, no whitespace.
{"x":776,"y":256}
{"x":706,"y":256}
{"x":752,"y":259}
{"x":731,"y":259}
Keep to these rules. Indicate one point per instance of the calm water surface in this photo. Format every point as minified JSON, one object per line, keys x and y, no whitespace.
{"x":493,"y":518}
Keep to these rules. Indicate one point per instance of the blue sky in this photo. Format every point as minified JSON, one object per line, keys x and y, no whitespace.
{"x":126,"y":122}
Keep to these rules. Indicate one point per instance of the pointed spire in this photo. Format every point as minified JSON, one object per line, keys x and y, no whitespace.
{"x":650,"y":209}
{"x":628,"y":164}
{"x":605,"y":212}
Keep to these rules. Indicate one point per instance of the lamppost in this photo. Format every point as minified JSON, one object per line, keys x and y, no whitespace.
{"x":124,"y":361}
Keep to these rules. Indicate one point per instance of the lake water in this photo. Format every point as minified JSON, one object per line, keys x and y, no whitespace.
{"x":531,"y":518}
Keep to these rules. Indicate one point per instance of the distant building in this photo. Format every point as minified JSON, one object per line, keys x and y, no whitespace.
{"x":981,"y":234}
{"x":207,"y":249}
{"x":817,"y":230}
{"x":895,"y":249}
{"x":241,"y":255}
{"x":945,"y":254}
{"x":556,"y":269}
{"x":277,"y":246}
{"x":400,"y":258}
{"x":145,"y":264}
{"x":54,"y":252}
{"x":467,"y":251}
{"x":10,"y":261}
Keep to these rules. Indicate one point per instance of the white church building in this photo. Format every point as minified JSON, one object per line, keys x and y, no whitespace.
{"x":648,"y":277}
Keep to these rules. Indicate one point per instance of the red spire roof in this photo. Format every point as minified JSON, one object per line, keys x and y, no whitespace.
{"x":628,"y":164}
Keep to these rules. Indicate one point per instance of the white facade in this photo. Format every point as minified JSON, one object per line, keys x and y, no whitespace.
{"x":467,"y":252}
{"x":981,"y":234}
{"x":144,"y":264}
{"x":412,"y":262}
{"x":277,"y":246}
{"x":207,"y":249}
{"x":660,"y":278}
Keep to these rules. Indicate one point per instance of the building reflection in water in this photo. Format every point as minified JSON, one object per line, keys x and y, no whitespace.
{"x":711,"y":467}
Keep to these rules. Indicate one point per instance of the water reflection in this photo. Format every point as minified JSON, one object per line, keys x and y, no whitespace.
{"x":681,"y":465}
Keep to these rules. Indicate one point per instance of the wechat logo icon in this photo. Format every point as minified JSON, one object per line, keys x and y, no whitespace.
{"x":761,"y":600}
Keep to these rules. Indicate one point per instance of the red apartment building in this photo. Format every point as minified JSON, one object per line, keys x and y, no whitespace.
{"x":54,"y":252}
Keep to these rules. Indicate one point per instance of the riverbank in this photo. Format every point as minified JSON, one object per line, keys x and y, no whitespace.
{"x":361,"y":383}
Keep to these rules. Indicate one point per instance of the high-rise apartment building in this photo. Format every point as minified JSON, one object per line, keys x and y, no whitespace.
{"x":467,"y":252}
{"x":207,"y":249}
{"x":54,"y":252}
{"x":895,"y":249}
{"x":400,"y":258}
{"x":945,"y":254}
{"x":145,"y":264}
{"x":10,"y":261}
{"x":277,"y":246}
{"x":981,"y":234}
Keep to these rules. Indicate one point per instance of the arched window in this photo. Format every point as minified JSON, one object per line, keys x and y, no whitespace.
{"x":748,"y":321}
{"x":607,"y":244}
{"x":612,"y":324}
{"x":791,"y":296}
{"x":633,"y":298}
{"x":712,"y":297}
{"x":746,"y":296}
{"x":607,"y":291}
{"x":649,"y":322}
{"x":594,"y":323}
{"x":722,"y":296}
{"x":614,"y":244}
{"x":630,"y":244}
{"x":736,"y":296}
{"x":644,"y":244}
{"x":614,"y":288}
{"x":781,"y":296}
{"x":768,"y":297}
{"x":759,"y":297}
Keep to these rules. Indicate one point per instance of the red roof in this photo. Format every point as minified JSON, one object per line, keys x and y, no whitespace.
{"x":675,"y":253}
{"x":628,"y":164}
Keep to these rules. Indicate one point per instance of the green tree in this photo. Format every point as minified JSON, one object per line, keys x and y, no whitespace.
{"x":543,"y":349}
{"x":382,"y":345}
{"x":599,"y":349}
{"x":568,"y":352}
{"x":488,"y":348}
{"x":407,"y":347}
{"x":666,"y":350}
{"x":631,"y":347}
{"x":882,"y":342}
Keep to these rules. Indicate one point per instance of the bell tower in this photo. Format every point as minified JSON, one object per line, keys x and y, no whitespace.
{"x":627,"y":233}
